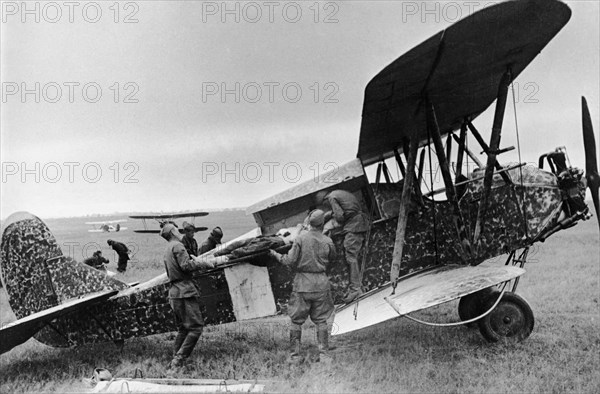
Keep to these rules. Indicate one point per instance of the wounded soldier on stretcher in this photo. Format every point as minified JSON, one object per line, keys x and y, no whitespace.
{"x":254,"y":246}
{"x":257,"y":246}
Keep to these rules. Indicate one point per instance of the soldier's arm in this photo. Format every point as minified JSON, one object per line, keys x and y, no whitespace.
{"x":186,"y":262}
{"x":338,"y":212}
{"x":332,"y":253}
{"x":291,"y":258}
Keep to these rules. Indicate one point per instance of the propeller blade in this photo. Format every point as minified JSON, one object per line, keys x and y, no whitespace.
{"x":589,"y":142}
{"x":591,"y":164}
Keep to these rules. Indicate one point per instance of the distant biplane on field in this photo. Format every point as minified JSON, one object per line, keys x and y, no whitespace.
{"x":107,"y":226}
{"x":420,"y":252}
{"x":162,"y":219}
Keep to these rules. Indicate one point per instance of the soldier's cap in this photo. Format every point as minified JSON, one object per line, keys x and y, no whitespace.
{"x":320,"y":197}
{"x":316,"y":218}
{"x":188,"y":226}
{"x":169,"y":229}
{"x":217,"y":232}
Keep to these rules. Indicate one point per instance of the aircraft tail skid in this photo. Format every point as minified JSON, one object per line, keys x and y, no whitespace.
{"x":36,"y":274}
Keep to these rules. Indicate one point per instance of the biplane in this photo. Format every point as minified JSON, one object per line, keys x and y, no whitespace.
{"x":107,"y":226}
{"x":162,"y":219}
{"x":421,"y":249}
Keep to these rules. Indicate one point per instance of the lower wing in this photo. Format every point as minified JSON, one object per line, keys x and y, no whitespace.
{"x":419,"y":291}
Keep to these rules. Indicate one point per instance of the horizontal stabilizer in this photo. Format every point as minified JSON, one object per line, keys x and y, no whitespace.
{"x":419,"y":291}
{"x":21,"y":330}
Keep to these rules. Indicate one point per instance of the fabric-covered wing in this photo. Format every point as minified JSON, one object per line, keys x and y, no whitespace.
{"x":170,"y":216}
{"x":196,"y":229}
{"x":459,"y":70}
{"x":419,"y":291}
{"x":18,"y":332}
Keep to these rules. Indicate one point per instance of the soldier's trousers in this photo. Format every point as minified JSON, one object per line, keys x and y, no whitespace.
{"x":189,"y":324}
{"x":122,"y":263}
{"x":353,"y":244}
{"x":318,"y":305}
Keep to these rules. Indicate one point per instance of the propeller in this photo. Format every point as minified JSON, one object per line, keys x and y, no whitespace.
{"x":591,"y":166}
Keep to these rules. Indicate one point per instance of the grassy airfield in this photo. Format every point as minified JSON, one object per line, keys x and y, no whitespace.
{"x":562,"y":354}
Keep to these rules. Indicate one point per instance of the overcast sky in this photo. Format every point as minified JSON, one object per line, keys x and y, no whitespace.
{"x":132,"y":116}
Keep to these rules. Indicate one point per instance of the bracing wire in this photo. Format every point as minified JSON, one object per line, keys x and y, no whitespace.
{"x":512,"y":85}
{"x":432,"y":197}
{"x":461,"y":322}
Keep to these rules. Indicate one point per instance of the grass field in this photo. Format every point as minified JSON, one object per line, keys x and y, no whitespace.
{"x":562,"y":286}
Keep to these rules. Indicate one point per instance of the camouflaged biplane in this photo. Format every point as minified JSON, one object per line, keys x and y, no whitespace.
{"x":420,"y":250}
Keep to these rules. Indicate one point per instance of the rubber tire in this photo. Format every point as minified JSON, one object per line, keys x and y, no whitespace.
{"x":511,"y":321}
{"x":470,"y":305}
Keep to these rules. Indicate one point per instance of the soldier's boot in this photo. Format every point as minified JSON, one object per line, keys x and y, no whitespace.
{"x":323,"y":341}
{"x":178,"y":342}
{"x":295,"y":341}
{"x":177,"y":366}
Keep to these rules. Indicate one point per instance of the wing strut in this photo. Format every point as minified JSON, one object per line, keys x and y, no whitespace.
{"x":486,"y":149}
{"x":471,"y":154}
{"x":459,"y":223}
{"x":461,"y":152}
{"x":400,"y":163}
{"x":491,"y":153}
{"x":403,"y":214}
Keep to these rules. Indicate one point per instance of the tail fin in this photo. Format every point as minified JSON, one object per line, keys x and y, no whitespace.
{"x":35,"y":273}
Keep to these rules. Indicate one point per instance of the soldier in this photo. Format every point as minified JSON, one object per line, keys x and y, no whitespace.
{"x":212,"y":241}
{"x":97,"y":261}
{"x":309,"y":257}
{"x":348,"y":213}
{"x":190,"y":243}
{"x":122,"y":252}
{"x":184,"y":296}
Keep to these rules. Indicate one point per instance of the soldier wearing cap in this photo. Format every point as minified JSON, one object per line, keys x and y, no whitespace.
{"x":348,"y":213}
{"x":122,"y":252}
{"x":184,"y":296}
{"x":309,"y":257}
{"x":188,"y":240}
{"x":212,"y":241}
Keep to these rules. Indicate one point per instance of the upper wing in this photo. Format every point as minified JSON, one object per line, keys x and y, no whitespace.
{"x":419,"y":291}
{"x":458,"y":69}
{"x":158,"y":231}
{"x":21,"y":330}
{"x":170,"y":216}
{"x":107,"y":222}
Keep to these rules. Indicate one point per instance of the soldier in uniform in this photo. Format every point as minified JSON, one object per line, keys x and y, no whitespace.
{"x":97,"y":261}
{"x":122,"y":252}
{"x":184,"y":296}
{"x":190,"y":243}
{"x":348,"y":213}
{"x":212,"y":241}
{"x":309,"y":257}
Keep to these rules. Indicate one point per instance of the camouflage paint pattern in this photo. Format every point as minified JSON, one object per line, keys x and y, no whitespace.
{"x":35,"y":280}
{"x":517,"y":213}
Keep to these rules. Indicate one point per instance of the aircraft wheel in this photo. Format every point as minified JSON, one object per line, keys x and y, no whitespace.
{"x":470,"y":305}
{"x":511,"y":321}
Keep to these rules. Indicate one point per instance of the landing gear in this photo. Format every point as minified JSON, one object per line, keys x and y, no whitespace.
{"x":471,"y":305}
{"x":511,"y":320}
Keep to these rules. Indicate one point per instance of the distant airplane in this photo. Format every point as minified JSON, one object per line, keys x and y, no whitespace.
{"x":107,"y":226}
{"x":163,"y":219}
